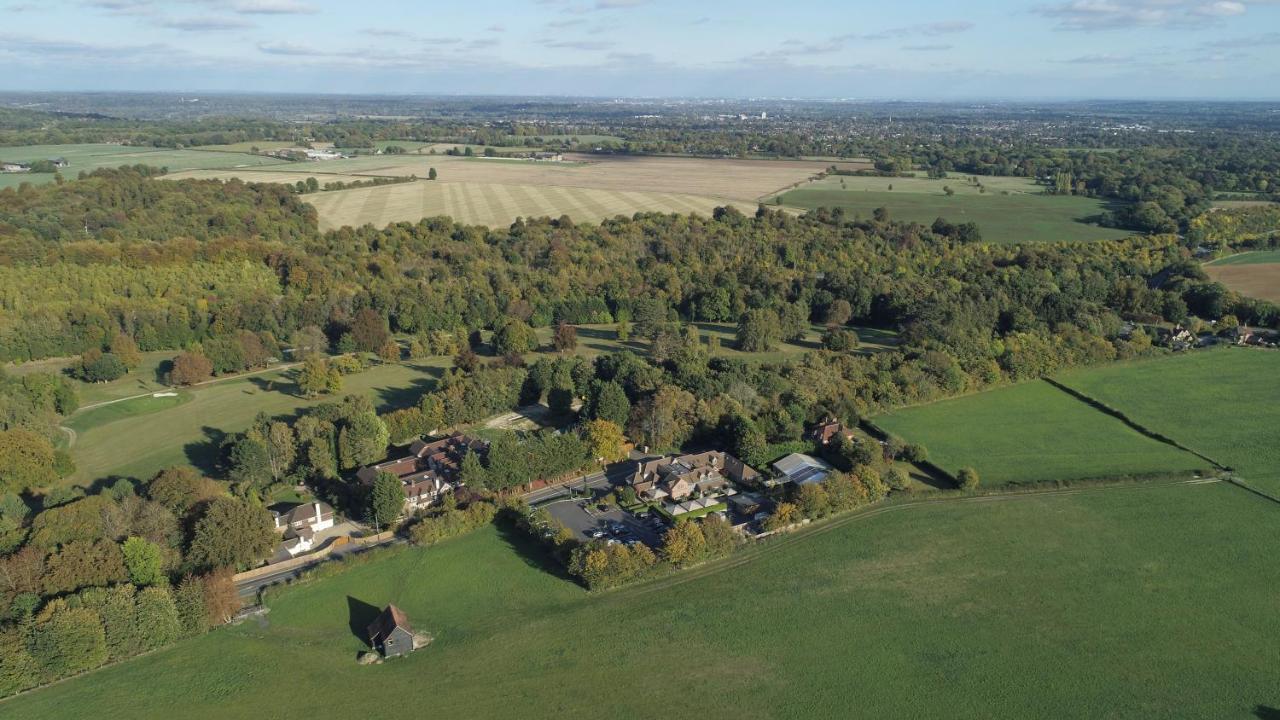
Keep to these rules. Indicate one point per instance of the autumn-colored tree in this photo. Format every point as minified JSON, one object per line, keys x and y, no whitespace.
{"x":664,"y":418}
{"x":606,"y":440}
{"x":369,"y":330}
{"x":189,"y":368}
{"x":180,"y":488}
{"x":565,"y":338}
{"x":784,"y":515}
{"x":684,"y":545}
{"x":221,"y":599}
{"x":26,"y":461}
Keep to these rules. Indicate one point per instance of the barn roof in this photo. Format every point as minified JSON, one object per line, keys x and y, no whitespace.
{"x":390,"y":619}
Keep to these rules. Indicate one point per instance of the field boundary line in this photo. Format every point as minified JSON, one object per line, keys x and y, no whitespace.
{"x":1107,"y":409}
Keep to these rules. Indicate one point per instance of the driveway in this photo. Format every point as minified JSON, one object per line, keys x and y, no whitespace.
{"x":582,"y":518}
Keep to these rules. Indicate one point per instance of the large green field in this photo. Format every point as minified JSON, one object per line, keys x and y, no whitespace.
{"x":1031,"y":433}
{"x":1011,"y":211}
{"x":1141,"y":601}
{"x":93,"y":156}
{"x":1223,"y":403}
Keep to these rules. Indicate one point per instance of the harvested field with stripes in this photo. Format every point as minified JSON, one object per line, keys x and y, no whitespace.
{"x":494,"y":192}
{"x":496,"y":204}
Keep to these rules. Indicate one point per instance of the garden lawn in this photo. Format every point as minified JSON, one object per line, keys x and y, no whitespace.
{"x":1137,"y":601}
{"x":1030,"y":433}
{"x":1222,"y":403}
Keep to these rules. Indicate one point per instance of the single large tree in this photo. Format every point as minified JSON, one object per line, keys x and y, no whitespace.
{"x":609,"y":402}
{"x":386,"y":500}
{"x":362,"y":441}
{"x":231,"y":533}
{"x":759,"y":330}
{"x":190,"y":368}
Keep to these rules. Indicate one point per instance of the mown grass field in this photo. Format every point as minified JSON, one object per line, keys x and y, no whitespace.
{"x":1222,"y":403}
{"x":1021,"y":215}
{"x":137,"y":438}
{"x":90,"y":157}
{"x":1131,"y":602}
{"x":1255,"y":274}
{"x":1033,"y":432}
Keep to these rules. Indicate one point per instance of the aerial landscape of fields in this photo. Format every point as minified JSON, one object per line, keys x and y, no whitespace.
{"x":622,"y":359}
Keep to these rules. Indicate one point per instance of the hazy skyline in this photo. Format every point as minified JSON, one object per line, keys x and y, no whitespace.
{"x":814,"y":48}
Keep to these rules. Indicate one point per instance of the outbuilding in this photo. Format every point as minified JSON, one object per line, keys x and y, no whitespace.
{"x":391,"y":633}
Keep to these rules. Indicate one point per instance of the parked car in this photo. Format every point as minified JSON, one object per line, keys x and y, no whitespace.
{"x":596,"y":533}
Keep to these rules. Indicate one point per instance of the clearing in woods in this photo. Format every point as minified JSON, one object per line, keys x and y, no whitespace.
{"x":963,"y":609}
{"x":1033,"y":432}
{"x":1255,"y":274}
{"x":1011,"y":210}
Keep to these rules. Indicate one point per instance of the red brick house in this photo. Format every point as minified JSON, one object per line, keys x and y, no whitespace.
{"x":428,"y":470}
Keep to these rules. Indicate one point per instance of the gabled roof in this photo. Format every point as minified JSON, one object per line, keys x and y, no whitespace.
{"x":390,"y":619}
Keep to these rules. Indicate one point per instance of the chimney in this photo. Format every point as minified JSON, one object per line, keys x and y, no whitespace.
{"x":316,"y":505}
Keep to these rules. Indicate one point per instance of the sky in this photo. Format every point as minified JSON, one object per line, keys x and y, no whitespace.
{"x":905,"y":49}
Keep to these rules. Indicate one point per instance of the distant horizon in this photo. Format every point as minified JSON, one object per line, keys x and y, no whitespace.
{"x":919,"y":49}
{"x":886,"y":99}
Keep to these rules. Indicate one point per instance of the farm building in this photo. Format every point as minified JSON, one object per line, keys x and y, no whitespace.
{"x":13,"y":167}
{"x":391,"y":633}
{"x":800,"y":469}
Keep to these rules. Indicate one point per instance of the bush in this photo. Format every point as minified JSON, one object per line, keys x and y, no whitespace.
{"x":967,"y":478}
{"x":452,"y":522}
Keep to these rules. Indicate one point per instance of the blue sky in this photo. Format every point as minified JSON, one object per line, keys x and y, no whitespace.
{"x":910,"y":49}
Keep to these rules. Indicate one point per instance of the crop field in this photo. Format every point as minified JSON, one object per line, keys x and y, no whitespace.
{"x":1150,"y":601}
{"x":1255,"y":274}
{"x":1032,"y":433}
{"x":746,"y":180}
{"x":494,"y":192}
{"x":93,"y":156}
{"x":1011,"y":211}
{"x":494,"y":205}
{"x":1222,"y":403}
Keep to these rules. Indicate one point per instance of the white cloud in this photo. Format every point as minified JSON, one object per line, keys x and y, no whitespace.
{"x":272,"y":7}
{"x":205,"y":24}
{"x":1091,"y":15}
